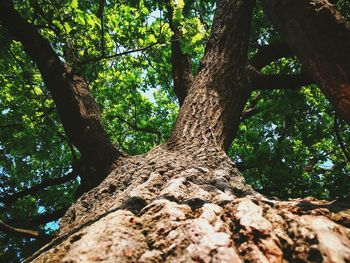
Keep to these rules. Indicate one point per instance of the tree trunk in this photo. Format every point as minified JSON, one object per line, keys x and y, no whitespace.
{"x":169,"y":206}
{"x":185,"y":201}
{"x":320,"y":38}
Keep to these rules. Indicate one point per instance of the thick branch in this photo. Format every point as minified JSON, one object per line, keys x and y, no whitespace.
{"x":181,"y":62}
{"x":46,"y":218}
{"x":18,"y":231}
{"x":41,"y":219}
{"x":260,"y":81}
{"x":269,"y":53}
{"x":8,"y":199}
{"x":76,"y":107}
{"x":211,"y":112}
{"x":319,"y":36}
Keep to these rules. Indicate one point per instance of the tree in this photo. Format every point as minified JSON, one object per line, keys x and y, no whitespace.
{"x":185,"y":200}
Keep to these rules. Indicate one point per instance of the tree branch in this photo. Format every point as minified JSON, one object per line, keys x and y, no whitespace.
{"x":249,"y":113}
{"x":46,"y":218}
{"x":18,"y":124}
{"x":41,"y":219}
{"x":181,"y":62}
{"x":100,"y":15}
{"x":11,"y":125}
{"x":8,"y":199}
{"x":339,"y":138}
{"x":117,"y":54}
{"x":142,"y":129}
{"x":18,"y":231}
{"x":252,"y":109}
{"x":319,"y":36}
{"x":269,"y":53}
{"x":242,"y":166}
{"x":260,"y":81}
{"x":41,"y":12}
{"x":76,"y":107}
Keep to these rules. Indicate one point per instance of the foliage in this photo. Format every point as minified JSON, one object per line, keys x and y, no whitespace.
{"x":290,"y":148}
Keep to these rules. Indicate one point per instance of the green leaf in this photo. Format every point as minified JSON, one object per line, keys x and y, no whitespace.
{"x":74,"y":4}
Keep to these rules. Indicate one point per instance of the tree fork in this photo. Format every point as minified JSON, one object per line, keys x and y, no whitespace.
{"x":193,"y":155}
{"x":215,"y":101}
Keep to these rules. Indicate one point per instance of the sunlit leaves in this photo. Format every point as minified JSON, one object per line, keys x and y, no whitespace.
{"x":30,"y":146}
{"x":74,"y":4}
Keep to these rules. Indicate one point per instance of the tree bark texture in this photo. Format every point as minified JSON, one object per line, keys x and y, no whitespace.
{"x":185,"y":201}
{"x":171,"y":207}
{"x":193,"y":221}
{"x":211,"y":111}
{"x":320,"y":38}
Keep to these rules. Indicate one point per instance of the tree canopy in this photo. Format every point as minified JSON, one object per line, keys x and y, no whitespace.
{"x":136,"y":57}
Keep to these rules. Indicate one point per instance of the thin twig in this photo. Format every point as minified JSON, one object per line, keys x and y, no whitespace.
{"x":117,"y":54}
{"x":142,"y":129}
{"x":8,"y":199}
{"x":339,"y":138}
{"x":100,"y":14}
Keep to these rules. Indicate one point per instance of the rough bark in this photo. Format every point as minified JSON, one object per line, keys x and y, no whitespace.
{"x":320,"y":38}
{"x":211,"y":111}
{"x":170,"y":207}
{"x":76,"y":107}
{"x":185,"y":201}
